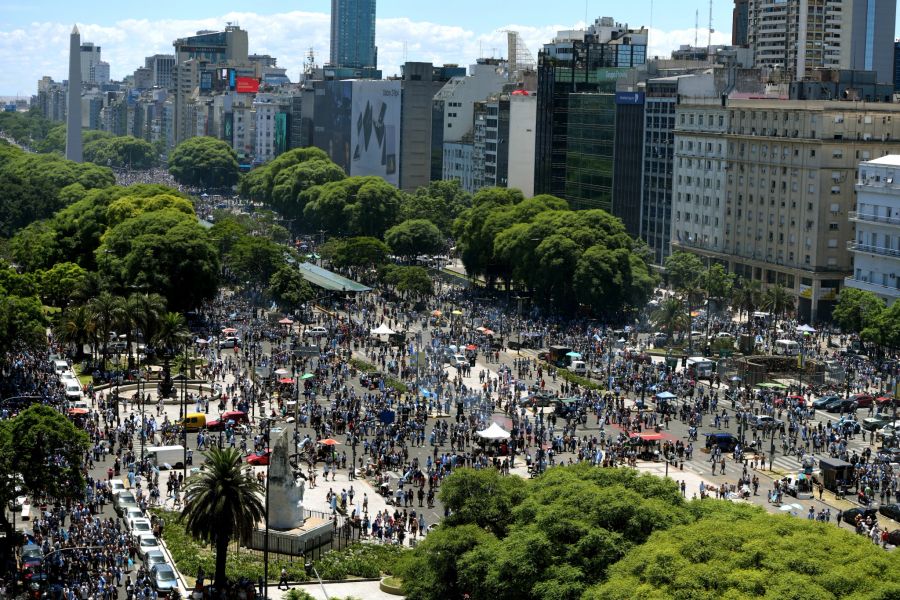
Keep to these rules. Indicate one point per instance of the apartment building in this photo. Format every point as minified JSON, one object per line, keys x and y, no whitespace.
{"x":788,"y":189}
{"x":876,"y":247}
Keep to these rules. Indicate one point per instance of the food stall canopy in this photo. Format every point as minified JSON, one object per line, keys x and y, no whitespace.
{"x":383,"y":330}
{"x":494,"y":432}
{"x":647,"y":437}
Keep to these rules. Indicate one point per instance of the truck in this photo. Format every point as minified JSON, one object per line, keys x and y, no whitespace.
{"x":702,"y":367}
{"x":167,"y":457}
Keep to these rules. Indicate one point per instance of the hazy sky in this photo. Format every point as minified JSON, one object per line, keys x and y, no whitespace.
{"x":34,"y":34}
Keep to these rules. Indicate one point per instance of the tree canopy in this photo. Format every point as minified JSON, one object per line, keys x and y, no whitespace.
{"x":441,"y":202}
{"x":204,"y":162}
{"x":414,"y":237}
{"x":857,"y":309}
{"x":356,"y":206}
{"x":121,"y":152}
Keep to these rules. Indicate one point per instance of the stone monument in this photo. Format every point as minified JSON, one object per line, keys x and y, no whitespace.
{"x":285,"y":492}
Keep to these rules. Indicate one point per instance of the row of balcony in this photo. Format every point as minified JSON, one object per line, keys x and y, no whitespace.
{"x":870,"y":218}
{"x":870,"y":249}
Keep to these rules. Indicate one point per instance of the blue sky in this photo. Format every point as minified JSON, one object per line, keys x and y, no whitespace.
{"x":33,"y":34}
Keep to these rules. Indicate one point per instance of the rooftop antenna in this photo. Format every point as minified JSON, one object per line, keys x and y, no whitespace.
{"x":696,"y":27}
{"x":405,"y":51}
{"x":711,"y":30}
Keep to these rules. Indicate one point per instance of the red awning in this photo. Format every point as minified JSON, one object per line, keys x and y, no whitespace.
{"x":648,"y":437}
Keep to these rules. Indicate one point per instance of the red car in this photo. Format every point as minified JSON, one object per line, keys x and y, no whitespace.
{"x":793,"y":400}
{"x":238,"y":417}
{"x":260,"y":458}
{"x":863,"y":400}
{"x":884,"y":401}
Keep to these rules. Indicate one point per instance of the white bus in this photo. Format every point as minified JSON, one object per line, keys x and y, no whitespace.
{"x":702,"y":367}
{"x":787,"y":347}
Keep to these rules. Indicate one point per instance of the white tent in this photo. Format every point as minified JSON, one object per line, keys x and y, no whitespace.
{"x":806,"y":329}
{"x":382,"y":330}
{"x":494,"y":432}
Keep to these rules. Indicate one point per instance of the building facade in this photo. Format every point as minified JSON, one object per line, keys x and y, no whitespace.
{"x":582,"y":63}
{"x":419,"y":83}
{"x":522,"y":119}
{"x":353,"y":34}
{"x":740,"y":21}
{"x":876,"y":247}
{"x":788,"y":189}
{"x":797,"y":36}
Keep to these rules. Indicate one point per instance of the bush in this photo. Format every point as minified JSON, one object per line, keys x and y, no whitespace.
{"x":581,"y":381}
{"x":368,"y":561}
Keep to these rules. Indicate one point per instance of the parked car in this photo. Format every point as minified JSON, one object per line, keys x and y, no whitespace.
{"x":32,"y":556}
{"x":140,"y":527}
{"x":229,"y":342}
{"x":891,"y":511}
{"x":116,"y":486}
{"x":764,"y":421}
{"x":259,"y":458}
{"x":123,"y":500}
{"x":823,"y":400}
{"x":863,"y":400}
{"x":147,"y":543}
{"x":237,"y":417}
{"x":164,"y":580}
{"x":317,"y":331}
{"x":133,"y":512}
{"x":850,"y":514}
{"x":725,"y":441}
{"x":841,"y":405}
{"x":153,"y":558}
{"x":876,"y":422}
{"x":849,"y":422}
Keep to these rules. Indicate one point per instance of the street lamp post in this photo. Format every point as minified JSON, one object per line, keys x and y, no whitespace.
{"x":266,"y":543}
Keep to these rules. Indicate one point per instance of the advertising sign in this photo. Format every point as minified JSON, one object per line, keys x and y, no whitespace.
{"x":247,"y":85}
{"x":629,"y":97}
{"x":375,"y":130}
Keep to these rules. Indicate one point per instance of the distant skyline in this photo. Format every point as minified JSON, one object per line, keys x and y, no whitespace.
{"x":34,"y":35}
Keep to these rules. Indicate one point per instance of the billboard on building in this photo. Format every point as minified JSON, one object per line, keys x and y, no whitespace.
{"x":281,"y":130}
{"x":247,"y":85}
{"x":375,"y":130}
{"x":332,"y":119}
{"x":629,"y":97}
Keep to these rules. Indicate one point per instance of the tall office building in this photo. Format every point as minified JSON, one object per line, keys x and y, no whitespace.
{"x":797,"y":36}
{"x":161,"y":67}
{"x":740,"y":21}
{"x":897,"y":66}
{"x":353,"y":34}
{"x":73,"y":113}
{"x":90,"y":58}
{"x":577,"y":75}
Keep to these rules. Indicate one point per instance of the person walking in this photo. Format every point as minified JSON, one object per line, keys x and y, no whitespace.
{"x":283,"y":581}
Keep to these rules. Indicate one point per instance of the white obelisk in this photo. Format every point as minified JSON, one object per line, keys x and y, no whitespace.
{"x":73,"y":110}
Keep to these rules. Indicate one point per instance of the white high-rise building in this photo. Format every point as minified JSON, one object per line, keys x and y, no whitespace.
{"x":90,"y":57}
{"x":876,"y":248}
{"x":797,"y":36}
{"x":101,"y":73}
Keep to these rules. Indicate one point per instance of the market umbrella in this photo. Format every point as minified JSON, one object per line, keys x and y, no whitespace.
{"x":286,"y":380}
{"x":574,"y":354}
{"x":806,"y":329}
{"x":329,"y":442}
{"x":201,"y":341}
{"x":494,"y":432}
{"x":229,"y":330}
{"x":307,"y":376}
{"x":666,"y":396}
{"x":436,"y":313}
{"x":382,"y":330}
{"x":471,"y":347}
{"x":487,"y":332}
{"x":281,"y":371}
{"x":735,"y":378}
{"x":457,"y":312}
{"x":285,"y":321}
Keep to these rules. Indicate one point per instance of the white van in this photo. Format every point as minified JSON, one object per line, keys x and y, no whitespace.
{"x":73,"y":391}
{"x":60,"y":366}
{"x":787,"y":347}
{"x":167,"y":457}
{"x":578,"y":367}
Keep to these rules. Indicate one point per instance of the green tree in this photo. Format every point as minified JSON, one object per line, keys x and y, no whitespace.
{"x":256,"y":259}
{"x":415,"y":281}
{"x":670,"y":317}
{"x":141,"y":314}
{"x":204,"y":162}
{"x":362,"y":206}
{"x":857,"y":309}
{"x":683,"y":269}
{"x":172,"y":334}
{"x":746,"y":296}
{"x":778,"y":301}
{"x":76,"y":328}
{"x":482,"y":497}
{"x":166,"y":251}
{"x":289,"y":195}
{"x":64,"y":283}
{"x":106,"y":312}
{"x":35,"y":247}
{"x":121,"y":152}
{"x":414,"y":237}
{"x":431,"y":572}
{"x":223,"y":502}
{"x":440,"y":202}
{"x":289,"y":288}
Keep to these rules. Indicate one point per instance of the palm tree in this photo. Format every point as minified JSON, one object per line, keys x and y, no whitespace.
{"x":224,"y":501}
{"x":777,"y":301}
{"x":77,"y":329}
{"x":106,"y":311}
{"x":746,"y":296}
{"x":670,"y":316}
{"x":142,"y":312}
{"x":693,"y":295}
{"x":172,"y":333}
